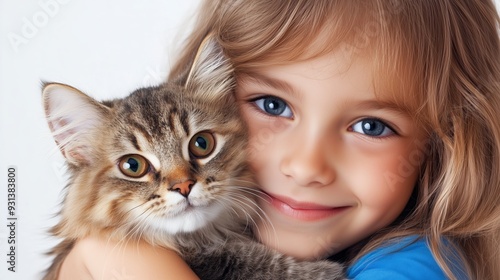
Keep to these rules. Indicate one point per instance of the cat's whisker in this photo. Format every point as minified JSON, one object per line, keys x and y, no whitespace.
{"x":119,"y":247}
{"x":137,"y":229}
{"x":138,"y":223}
{"x":132,"y":231}
{"x":157,"y":230}
{"x":250,"y":221}
{"x":238,"y":190}
{"x":144,"y":227}
{"x":239,"y":181}
{"x":264,"y":218}
{"x":251,"y":205}
{"x":135,"y":207}
{"x":266,"y":221}
{"x":231,"y":183}
{"x":226,"y":205}
{"x":250,"y":191}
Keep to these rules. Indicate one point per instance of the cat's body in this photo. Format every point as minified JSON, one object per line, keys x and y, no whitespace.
{"x":167,"y":165}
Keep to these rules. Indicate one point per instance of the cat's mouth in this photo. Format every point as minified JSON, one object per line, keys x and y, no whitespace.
{"x":189,"y":216}
{"x":190,"y":206}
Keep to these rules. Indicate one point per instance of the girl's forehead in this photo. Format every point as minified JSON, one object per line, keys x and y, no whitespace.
{"x":358,"y":69}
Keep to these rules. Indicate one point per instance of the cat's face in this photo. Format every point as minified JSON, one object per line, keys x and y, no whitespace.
{"x":163,"y":159}
{"x":171,"y":160}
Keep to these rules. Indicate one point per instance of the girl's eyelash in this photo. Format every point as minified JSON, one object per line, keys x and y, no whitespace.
{"x":373,"y":123}
{"x":272,"y":106}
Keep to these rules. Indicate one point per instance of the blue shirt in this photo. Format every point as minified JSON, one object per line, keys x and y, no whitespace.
{"x":409,"y":259}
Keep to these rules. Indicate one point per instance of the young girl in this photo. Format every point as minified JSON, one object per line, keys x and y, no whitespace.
{"x":374,"y":130}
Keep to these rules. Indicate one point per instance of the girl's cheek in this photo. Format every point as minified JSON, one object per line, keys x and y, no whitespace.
{"x":263,"y":131}
{"x":392,"y":183}
{"x":263,"y":134}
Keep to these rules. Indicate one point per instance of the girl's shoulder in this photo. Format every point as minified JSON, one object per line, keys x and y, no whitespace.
{"x":403,"y":258}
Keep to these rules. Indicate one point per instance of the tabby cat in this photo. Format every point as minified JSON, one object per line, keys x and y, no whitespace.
{"x":166,"y":164}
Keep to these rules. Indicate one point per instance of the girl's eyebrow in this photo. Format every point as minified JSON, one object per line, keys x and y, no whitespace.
{"x":390,"y":105}
{"x":271,"y":82}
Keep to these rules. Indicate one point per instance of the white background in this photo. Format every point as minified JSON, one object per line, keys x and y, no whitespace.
{"x":105,"y":48}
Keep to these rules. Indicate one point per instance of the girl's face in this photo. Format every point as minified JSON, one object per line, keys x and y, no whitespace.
{"x":337,"y":162}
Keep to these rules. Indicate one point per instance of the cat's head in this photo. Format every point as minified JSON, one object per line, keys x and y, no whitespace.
{"x":163,"y":159}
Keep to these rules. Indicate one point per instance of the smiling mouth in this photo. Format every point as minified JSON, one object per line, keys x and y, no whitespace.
{"x":305,"y":211}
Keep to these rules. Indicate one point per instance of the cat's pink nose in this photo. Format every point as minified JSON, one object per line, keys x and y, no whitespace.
{"x":183,"y":188}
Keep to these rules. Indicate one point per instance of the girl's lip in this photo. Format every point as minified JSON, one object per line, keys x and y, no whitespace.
{"x":306,"y":211}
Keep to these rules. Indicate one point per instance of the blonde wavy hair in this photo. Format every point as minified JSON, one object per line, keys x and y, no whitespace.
{"x":441,"y":59}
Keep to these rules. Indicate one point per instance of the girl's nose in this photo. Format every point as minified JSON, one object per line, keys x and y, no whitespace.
{"x":307,"y":162}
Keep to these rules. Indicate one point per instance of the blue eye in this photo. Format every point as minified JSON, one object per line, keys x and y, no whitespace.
{"x":274,"y":106}
{"x":372,"y":127}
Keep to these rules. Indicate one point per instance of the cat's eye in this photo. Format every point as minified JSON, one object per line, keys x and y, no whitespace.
{"x":134,"y":166}
{"x":202,"y":144}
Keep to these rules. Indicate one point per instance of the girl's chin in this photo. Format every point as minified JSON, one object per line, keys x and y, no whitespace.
{"x":308,"y":252}
{"x":301,"y":245}
{"x":306,"y":237}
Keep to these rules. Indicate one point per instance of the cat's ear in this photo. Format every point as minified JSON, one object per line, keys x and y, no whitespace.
{"x":211,"y":73}
{"x":73,"y":118}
